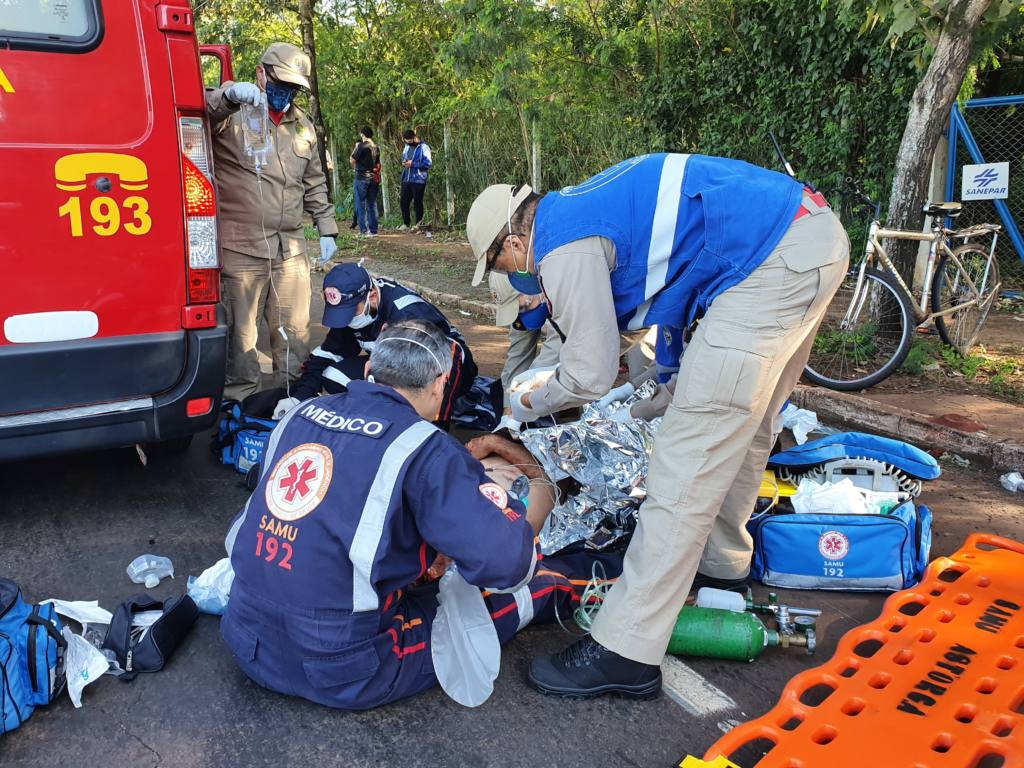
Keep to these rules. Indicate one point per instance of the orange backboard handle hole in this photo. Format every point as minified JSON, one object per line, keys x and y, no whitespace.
{"x":853,"y":707}
{"x":986,"y":685}
{"x":825,"y":735}
{"x":942,"y":744}
{"x":965,"y":713}
{"x":1003,"y":727}
{"x":903,"y":658}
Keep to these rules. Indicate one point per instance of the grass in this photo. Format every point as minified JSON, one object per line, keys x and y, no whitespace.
{"x":999,"y":376}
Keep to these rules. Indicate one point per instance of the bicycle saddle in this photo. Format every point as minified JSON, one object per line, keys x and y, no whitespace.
{"x":944,"y":209}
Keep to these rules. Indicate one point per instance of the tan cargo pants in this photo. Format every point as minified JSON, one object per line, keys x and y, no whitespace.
{"x":742,"y":363}
{"x":248,"y":296}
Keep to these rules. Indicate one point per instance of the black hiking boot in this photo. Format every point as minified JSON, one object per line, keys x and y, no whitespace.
{"x":586,"y":669}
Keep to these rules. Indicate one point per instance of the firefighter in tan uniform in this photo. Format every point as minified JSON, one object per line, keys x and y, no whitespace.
{"x":266,"y":270}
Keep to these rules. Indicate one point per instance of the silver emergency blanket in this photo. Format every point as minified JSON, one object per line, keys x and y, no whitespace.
{"x":608,"y":458}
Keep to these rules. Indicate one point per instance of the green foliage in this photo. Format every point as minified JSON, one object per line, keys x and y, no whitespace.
{"x":594,"y":81}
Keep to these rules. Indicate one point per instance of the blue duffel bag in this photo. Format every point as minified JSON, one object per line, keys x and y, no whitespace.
{"x":851,"y":552}
{"x":858,"y":553}
{"x":241,"y":439}
{"x":31,"y":656}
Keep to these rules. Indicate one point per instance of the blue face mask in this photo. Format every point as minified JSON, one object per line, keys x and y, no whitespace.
{"x":279,"y":96}
{"x":533,"y":319}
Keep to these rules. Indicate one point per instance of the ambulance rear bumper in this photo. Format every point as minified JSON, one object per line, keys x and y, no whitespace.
{"x":146,"y":419}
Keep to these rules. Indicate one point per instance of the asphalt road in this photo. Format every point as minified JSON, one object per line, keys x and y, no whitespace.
{"x":69,"y":526}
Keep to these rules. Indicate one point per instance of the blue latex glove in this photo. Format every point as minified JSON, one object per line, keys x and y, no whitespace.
{"x":245,"y":93}
{"x":328,"y":247}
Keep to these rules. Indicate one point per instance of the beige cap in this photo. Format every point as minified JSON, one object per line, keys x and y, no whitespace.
{"x":506,"y":299}
{"x":488,"y":215}
{"x":291,"y":64}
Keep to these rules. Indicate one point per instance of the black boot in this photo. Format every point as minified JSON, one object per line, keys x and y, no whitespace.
{"x":730,"y":585}
{"x":586,"y":669}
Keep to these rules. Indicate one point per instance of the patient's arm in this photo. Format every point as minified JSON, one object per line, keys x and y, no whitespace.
{"x":504,"y":461}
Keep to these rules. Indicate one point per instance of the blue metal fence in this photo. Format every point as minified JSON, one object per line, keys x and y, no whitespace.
{"x":991,"y":130}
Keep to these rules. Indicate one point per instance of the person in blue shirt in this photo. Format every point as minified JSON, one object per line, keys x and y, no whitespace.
{"x":416,"y":162}
{"x":357,"y":308}
{"x":359,"y":495}
{"x":752,"y":257}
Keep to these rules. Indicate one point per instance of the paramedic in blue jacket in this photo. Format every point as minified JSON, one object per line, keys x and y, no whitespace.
{"x":357,"y":308}
{"x":359,"y":494}
{"x":671,"y":239}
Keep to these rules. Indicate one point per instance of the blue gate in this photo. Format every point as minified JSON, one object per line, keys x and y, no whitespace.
{"x":991,"y":130}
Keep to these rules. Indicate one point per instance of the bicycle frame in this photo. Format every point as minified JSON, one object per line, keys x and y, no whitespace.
{"x":938,"y":238}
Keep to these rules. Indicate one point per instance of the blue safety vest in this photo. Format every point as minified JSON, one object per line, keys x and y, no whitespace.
{"x":357,"y":496}
{"x":686,"y":228}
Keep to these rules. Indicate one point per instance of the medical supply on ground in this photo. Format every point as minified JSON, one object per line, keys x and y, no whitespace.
{"x":85,"y":664}
{"x":790,"y":620}
{"x":32,"y":656}
{"x":855,"y":552}
{"x":869,"y":461}
{"x":255,"y":129}
{"x":1012,"y":481}
{"x":857,"y":527}
{"x":799,"y":421}
{"x":85,"y":612}
{"x":241,"y":439}
{"x":211,"y":589}
{"x":148,"y":651}
{"x":150,"y":569}
{"x":464,"y":644}
{"x":721,"y":634}
{"x":935,"y":680}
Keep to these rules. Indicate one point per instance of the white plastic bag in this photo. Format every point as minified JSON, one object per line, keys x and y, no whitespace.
{"x":1012,"y":482}
{"x":82,"y":611}
{"x":210,"y":590}
{"x":84,"y":664}
{"x":463,"y":641}
{"x":840,"y":498}
{"x":799,"y":421}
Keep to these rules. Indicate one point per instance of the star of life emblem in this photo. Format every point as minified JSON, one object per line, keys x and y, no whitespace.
{"x":833,"y":545}
{"x":299,"y":481}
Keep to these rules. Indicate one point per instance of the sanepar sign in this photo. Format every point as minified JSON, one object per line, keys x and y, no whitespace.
{"x":988,"y":181}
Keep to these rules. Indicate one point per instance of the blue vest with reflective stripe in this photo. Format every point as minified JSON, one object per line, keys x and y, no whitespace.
{"x":325,"y":528}
{"x":686,"y":228}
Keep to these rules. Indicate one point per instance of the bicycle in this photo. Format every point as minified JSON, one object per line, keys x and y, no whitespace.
{"x":869,"y":325}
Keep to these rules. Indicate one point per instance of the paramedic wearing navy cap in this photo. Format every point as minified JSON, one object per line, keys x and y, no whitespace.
{"x":667,"y":240}
{"x":359,"y":494}
{"x":356,"y":308}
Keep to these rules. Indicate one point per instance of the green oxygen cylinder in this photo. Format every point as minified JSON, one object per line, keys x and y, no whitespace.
{"x":720,"y":634}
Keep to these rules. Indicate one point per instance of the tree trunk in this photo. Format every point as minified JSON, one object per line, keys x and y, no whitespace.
{"x":306,"y":15}
{"x":929,"y":110}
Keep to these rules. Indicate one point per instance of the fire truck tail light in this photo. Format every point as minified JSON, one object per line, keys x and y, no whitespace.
{"x":200,"y":201}
{"x":203,"y":286}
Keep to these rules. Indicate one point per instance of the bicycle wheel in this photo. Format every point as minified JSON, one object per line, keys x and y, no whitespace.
{"x":960,"y":329}
{"x":864,"y":336}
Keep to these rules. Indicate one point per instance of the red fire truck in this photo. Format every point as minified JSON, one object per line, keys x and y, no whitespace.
{"x":108,"y":232}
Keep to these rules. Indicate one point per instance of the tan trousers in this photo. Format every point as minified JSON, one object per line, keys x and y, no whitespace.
{"x":743,"y":362}
{"x":248,"y":296}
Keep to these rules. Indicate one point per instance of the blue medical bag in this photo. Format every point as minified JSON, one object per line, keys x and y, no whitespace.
{"x":856,"y":553}
{"x":241,"y":439}
{"x":851,"y":552}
